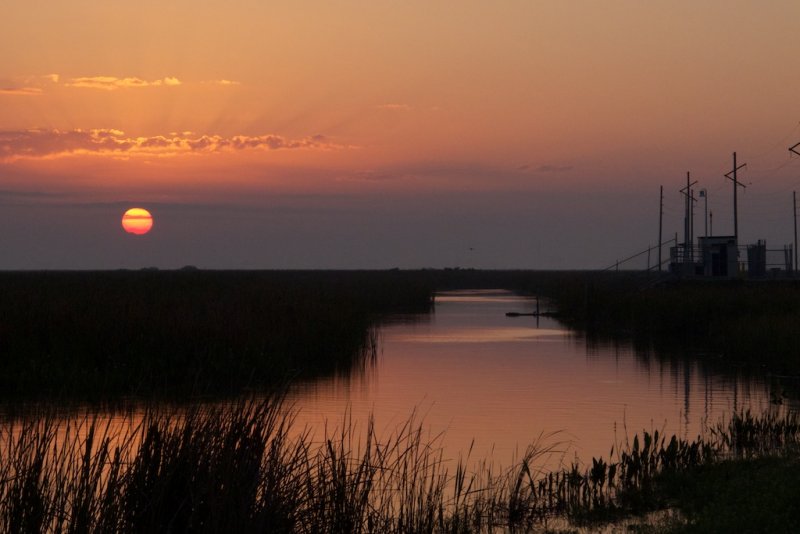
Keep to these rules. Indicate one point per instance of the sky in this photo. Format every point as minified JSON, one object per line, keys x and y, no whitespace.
{"x":378,"y":134}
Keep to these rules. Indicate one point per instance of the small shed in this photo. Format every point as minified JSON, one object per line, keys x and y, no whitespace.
{"x":720,"y":255}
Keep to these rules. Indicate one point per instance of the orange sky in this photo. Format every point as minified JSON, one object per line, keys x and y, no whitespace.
{"x":201,"y":102}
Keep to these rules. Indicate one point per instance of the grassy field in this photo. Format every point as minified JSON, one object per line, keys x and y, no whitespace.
{"x":731,"y":326}
{"x":758,"y":495}
{"x":97,"y":335}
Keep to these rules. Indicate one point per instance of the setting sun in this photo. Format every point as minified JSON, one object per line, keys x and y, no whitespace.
{"x":137,"y":221}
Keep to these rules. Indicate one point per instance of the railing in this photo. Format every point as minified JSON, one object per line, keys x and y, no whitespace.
{"x":754,"y":261}
{"x":646,"y":260}
{"x":776,"y":261}
{"x":680,"y":253}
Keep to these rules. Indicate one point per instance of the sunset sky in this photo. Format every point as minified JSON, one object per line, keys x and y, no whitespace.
{"x":376,"y":134}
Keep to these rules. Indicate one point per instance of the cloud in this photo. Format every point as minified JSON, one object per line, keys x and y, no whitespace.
{"x":111,"y":83}
{"x":41,"y":143}
{"x":36,"y":85}
{"x":27,"y":85}
{"x":21,"y":91}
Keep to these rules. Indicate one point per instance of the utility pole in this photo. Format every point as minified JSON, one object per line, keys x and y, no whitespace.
{"x":794,"y":200}
{"x":703,"y":251}
{"x":688,"y":253}
{"x":732,"y":177}
{"x":660,"y":226}
{"x":704,"y":195}
{"x":711,"y":222}
{"x":691,"y":220}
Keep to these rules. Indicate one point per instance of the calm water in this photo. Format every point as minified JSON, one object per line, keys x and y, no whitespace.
{"x":472,"y":373}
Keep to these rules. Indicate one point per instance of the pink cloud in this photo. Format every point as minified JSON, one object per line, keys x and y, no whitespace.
{"x":41,"y":143}
{"x":36,"y":85}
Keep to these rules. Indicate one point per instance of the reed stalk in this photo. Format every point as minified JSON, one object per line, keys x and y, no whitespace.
{"x":244,"y":467}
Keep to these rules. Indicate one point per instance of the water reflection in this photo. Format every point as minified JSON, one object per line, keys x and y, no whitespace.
{"x":497,"y":384}
{"x":476,"y":374}
{"x":479,"y":335}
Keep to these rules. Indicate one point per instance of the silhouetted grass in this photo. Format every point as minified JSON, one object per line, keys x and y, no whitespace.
{"x":114,"y":334}
{"x":99,"y":335}
{"x":238,"y":468}
{"x":102,"y":335}
{"x":758,"y":495}
{"x":679,"y":475}
{"x":243,"y":468}
{"x":750,"y":323}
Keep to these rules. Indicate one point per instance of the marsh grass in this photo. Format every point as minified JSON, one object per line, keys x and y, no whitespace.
{"x":733,"y":322}
{"x":104,"y":335}
{"x":234,"y":468}
{"x":756,"y":495}
{"x":245,"y":468}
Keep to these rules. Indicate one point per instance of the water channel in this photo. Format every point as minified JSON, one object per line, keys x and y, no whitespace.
{"x":472,"y":375}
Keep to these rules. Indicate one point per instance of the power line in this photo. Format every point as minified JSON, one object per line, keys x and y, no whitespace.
{"x":777,"y":144}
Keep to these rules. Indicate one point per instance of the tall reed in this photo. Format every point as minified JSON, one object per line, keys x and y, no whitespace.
{"x":245,"y":468}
